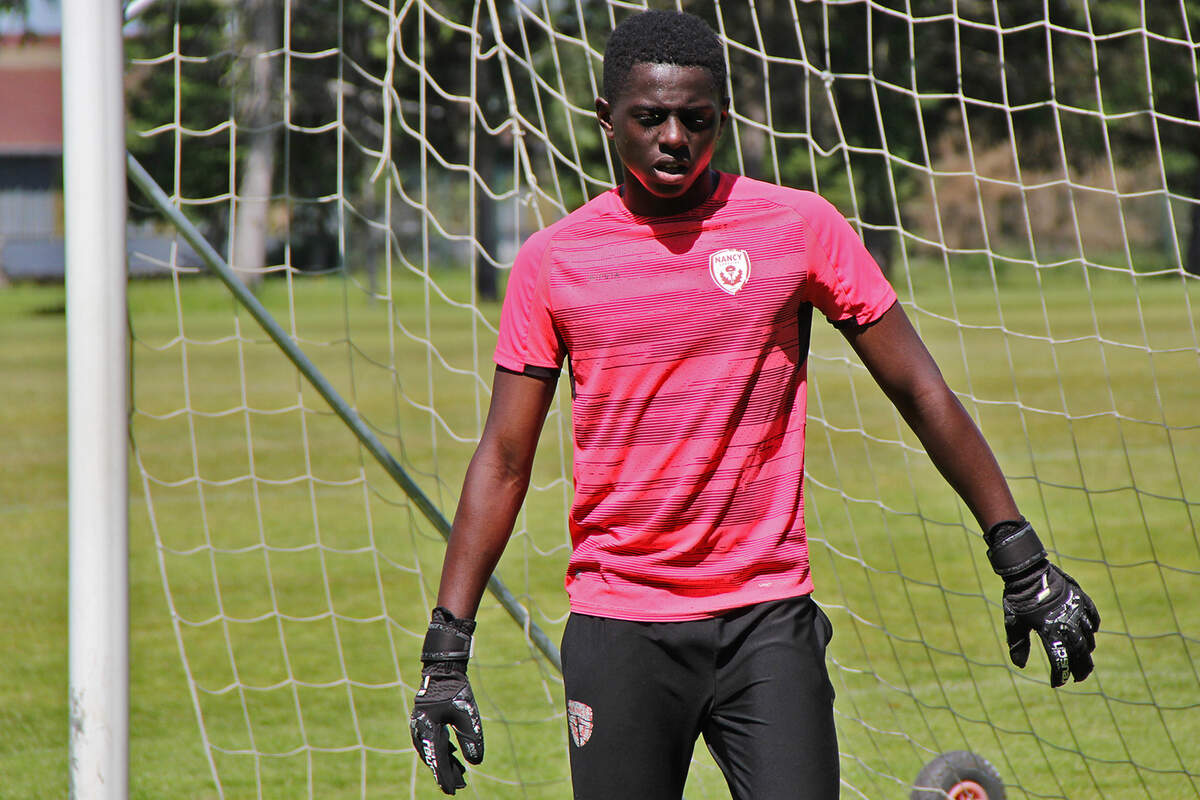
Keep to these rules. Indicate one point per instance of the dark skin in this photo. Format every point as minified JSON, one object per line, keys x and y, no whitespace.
{"x":899,"y":362}
{"x":665,"y":126}
{"x":493,"y":489}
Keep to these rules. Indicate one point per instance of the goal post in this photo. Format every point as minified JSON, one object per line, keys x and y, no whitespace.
{"x":98,"y":399}
{"x":1025,"y":171}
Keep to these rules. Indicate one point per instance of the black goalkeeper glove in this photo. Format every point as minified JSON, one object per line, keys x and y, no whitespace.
{"x":445,"y":699}
{"x":1040,"y":597}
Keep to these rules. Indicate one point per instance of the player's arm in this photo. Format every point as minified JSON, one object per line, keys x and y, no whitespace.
{"x":494,"y":488}
{"x":1037,"y":595}
{"x":896,"y":357}
{"x":493,"y":491}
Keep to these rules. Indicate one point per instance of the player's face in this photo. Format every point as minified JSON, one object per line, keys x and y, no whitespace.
{"x":664,"y":125}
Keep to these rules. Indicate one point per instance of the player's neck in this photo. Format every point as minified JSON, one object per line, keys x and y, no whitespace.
{"x":639,"y":200}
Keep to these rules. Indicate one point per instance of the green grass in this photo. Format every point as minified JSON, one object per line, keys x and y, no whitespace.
{"x":1088,"y":391}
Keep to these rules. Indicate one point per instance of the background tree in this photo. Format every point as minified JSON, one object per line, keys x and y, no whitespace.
{"x":1154,"y":73}
{"x":234,"y":104}
{"x":851,"y":99}
{"x":257,"y":95}
{"x":855,"y":94}
{"x":178,"y":104}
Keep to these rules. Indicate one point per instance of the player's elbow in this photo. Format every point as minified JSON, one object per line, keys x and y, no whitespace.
{"x":506,"y":464}
{"x":924,"y":401}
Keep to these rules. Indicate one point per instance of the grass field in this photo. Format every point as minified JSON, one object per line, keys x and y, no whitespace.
{"x":299,"y":578}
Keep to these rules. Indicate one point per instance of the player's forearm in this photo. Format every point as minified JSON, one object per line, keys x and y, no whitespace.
{"x":492,"y":495}
{"x":961,"y":454}
{"x":493,"y":489}
{"x":898,"y":360}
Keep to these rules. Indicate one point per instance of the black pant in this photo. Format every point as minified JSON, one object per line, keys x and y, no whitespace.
{"x":752,"y":681}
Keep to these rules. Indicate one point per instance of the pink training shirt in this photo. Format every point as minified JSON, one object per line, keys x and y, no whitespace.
{"x":688,"y":340}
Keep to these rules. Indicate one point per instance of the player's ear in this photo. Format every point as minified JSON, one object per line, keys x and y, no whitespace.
{"x":604,"y":116}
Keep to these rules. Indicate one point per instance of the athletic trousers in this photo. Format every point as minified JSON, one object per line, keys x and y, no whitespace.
{"x":752,"y":682}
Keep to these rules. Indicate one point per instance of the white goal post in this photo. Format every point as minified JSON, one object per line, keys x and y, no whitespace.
{"x":98,"y":402}
{"x":359,"y":173}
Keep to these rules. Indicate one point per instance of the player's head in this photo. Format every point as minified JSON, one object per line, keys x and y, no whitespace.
{"x":661,"y":37}
{"x":664,"y":108}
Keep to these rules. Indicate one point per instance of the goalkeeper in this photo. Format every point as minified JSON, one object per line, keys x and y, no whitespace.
{"x":682,"y":302}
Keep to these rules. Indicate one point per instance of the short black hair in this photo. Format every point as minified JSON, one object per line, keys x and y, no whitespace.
{"x":661,"y":37}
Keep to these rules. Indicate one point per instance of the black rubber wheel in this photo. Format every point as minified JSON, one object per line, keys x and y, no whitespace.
{"x":958,"y":775}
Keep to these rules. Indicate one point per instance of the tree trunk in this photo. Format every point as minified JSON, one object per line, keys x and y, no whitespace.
{"x":485,"y":223}
{"x":260,"y":27}
{"x":486,"y":238}
{"x":1193,"y":252}
{"x":881,"y":244}
{"x":253,"y":205}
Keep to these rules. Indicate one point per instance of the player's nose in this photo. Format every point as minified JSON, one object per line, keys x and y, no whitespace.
{"x":673,"y":135}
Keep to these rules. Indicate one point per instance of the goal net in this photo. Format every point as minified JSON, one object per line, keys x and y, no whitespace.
{"x":1028,"y":173}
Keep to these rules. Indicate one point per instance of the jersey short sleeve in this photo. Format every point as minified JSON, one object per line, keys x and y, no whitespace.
{"x":528,"y":338}
{"x":844,"y":283}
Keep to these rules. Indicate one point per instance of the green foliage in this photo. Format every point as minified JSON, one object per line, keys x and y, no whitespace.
{"x":861,"y":99}
{"x":179,"y":106}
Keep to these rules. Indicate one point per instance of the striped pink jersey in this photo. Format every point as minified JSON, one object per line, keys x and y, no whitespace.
{"x":687,"y":338}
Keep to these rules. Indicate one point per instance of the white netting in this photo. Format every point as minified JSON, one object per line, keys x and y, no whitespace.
{"x":1027,"y":171}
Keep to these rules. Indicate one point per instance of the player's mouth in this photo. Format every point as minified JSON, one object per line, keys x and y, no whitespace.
{"x":671,"y":171}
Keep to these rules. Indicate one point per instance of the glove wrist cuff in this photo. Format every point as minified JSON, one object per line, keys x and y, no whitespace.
{"x":1014,"y":548}
{"x":448,"y":638}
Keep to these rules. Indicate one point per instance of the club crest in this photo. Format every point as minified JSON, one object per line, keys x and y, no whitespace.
{"x":579,"y":721}
{"x":730,"y":269}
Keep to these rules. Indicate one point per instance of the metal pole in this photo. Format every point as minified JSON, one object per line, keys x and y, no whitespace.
{"x":158,"y":198}
{"x":97,"y":381}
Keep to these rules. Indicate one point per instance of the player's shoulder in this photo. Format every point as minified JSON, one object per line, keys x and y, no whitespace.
{"x":596,"y":214}
{"x":804,"y":202}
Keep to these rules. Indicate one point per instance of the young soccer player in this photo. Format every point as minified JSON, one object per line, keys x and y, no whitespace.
{"x":682,"y":301}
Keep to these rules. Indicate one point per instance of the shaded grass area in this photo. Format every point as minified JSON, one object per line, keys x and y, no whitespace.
{"x":299,"y":578}
{"x":33,"y":521}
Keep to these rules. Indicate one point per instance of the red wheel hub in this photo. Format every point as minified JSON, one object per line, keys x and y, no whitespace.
{"x":967,"y":790}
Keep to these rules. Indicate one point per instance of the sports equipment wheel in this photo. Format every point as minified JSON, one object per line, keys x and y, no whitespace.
{"x":958,"y":775}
